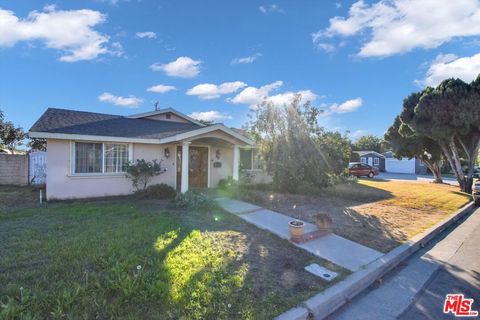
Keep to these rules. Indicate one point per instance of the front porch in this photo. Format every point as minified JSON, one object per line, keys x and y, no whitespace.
{"x":202,"y":164}
{"x":203,"y":160}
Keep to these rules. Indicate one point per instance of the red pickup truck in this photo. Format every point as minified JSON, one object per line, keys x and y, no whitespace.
{"x":362,"y":170}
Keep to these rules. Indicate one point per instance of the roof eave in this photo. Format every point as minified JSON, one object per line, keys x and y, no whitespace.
{"x":85,"y":137}
{"x":197,"y":132}
{"x":162,"y":111}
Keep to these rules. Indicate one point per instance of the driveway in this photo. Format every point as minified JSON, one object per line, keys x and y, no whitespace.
{"x":413,"y":177}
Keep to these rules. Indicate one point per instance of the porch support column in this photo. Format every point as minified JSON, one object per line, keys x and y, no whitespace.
{"x":236,"y":162}
{"x":185,"y":157}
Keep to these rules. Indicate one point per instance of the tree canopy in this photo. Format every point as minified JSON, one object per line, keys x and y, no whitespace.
{"x":406,"y":143}
{"x":370,"y":142}
{"x":449,"y":115}
{"x":10,"y":135}
{"x":298,"y":152}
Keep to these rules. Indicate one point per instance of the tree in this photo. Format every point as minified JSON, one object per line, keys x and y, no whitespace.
{"x":297,"y":151}
{"x":336,"y":149}
{"x":37,"y":144}
{"x":288,"y":139}
{"x":370,"y":142}
{"x":142,"y":171}
{"x":206,"y":122}
{"x":11,"y":136}
{"x":449,"y":115}
{"x":405,"y":143}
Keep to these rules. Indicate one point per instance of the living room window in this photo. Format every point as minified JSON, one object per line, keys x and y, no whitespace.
{"x":92,"y":157}
{"x":251,"y":159}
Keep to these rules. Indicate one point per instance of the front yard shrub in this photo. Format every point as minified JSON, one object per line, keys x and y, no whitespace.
{"x":228,"y":183}
{"x":194,"y":201}
{"x":141,"y":172}
{"x":343,"y":178}
{"x":158,"y":191}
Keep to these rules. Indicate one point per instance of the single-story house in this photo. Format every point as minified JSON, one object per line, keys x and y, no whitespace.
{"x":87,"y":151}
{"x":372,"y":158}
{"x":404,"y":165}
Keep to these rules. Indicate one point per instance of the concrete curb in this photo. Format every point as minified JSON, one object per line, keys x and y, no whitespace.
{"x":328,"y":301}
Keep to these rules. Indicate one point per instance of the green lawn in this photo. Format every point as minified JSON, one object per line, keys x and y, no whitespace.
{"x":139,"y":260}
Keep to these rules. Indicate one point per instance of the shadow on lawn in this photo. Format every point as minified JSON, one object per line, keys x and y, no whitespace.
{"x":338,"y":202}
{"x":192,"y":265}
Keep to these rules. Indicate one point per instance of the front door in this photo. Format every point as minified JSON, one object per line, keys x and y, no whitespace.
{"x":370,"y":161}
{"x":197,"y":167}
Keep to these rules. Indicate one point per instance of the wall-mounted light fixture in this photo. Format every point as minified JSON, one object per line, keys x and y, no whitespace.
{"x":218,"y":153}
{"x":167,"y":153}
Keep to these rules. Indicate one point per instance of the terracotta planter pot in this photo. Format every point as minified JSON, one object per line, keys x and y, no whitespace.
{"x":323,"y":222}
{"x":296,"y":228}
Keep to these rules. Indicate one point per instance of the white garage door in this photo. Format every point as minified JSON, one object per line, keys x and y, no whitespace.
{"x":400,"y":166}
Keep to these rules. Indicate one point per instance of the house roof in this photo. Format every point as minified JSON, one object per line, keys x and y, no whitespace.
{"x":99,"y":124}
{"x":71,"y":124}
{"x":166,"y":110}
{"x":365,"y":152}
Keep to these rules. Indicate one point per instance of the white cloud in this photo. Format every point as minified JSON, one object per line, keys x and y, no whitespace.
{"x":161,"y":88}
{"x":146,"y":34}
{"x":347,"y":106}
{"x":246,"y":60}
{"x":271,"y":8}
{"x":183,"y":67}
{"x":116,"y":50}
{"x":253,"y":96}
{"x":451,"y":66}
{"x":207,"y":91}
{"x":127,"y":102}
{"x":211,"y":115}
{"x":327,"y":47}
{"x":398,"y":26}
{"x":287,"y":97}
{"x":69,"y":31}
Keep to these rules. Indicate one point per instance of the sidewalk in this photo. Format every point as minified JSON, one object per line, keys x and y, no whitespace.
{"x":341,"y":251}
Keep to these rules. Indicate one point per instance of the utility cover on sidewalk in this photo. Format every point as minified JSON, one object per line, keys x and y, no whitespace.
{"x":321,"y":272}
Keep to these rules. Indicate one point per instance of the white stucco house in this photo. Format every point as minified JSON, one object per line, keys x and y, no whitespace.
{"x":87,"y":151}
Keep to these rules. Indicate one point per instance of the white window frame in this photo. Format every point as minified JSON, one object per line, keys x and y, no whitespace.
{"x":254,"y":167}
{"x":94,"y":174}
{"x":363,"y":160}
{"x":376,"y":161}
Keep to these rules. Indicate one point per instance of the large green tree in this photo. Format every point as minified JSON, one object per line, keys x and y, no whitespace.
{"x":11,"y":136}
{"x":371,"y":143}
{"x":37,"y":144}
{"x":406,"y":143}
{"x":288,"y":137}
{"x":450,"y":115}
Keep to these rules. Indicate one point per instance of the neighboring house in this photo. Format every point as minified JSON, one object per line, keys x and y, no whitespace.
{"x":87,"y":151}
{"x":372,"y":158}
{"x":404,"y":165}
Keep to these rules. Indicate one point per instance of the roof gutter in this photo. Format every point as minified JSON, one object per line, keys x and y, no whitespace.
{"x":66,"y":136}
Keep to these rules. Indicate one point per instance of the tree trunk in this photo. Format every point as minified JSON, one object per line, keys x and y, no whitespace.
{"x":451,"y":153}
{"x":435,"y":168}
{"x":471,"y":151}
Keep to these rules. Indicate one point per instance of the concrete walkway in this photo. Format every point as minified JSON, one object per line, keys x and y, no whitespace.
{"x":336,"y":249}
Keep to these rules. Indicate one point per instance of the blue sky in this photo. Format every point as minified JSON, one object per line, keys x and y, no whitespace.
{"x":216,"y":59}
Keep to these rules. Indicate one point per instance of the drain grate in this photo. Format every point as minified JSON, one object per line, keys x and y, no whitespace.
{"x":321,"y":272}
